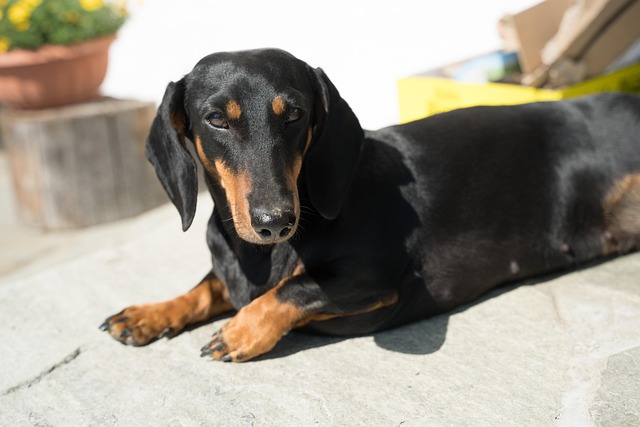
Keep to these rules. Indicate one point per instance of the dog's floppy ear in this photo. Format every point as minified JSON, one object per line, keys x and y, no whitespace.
{"x":332,"y":158}
{"x":166,"y":149}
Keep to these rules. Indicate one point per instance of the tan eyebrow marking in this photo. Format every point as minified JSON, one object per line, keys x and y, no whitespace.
{"x":278,"y":105}
{"x":233,"y":110}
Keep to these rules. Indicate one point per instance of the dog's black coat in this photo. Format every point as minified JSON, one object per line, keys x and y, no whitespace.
{"x":404,"y":222}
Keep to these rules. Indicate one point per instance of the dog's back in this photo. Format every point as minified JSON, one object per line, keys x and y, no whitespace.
{"x":503,"y":193}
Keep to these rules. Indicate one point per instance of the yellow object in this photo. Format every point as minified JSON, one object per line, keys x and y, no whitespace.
{"x":4,"y":44}
{"x":91,"y":5}
{"x":19,"y":13}
{"x":421,"y":96}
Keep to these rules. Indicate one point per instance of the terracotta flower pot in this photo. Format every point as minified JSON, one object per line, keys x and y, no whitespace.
{"x":53,"y":75}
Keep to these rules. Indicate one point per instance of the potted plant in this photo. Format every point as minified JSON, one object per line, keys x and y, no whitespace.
{"x":55,"y":52}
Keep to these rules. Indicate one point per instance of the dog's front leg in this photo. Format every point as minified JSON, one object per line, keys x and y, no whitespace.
{"x":294,"y":302}
{"x":139,"y":324}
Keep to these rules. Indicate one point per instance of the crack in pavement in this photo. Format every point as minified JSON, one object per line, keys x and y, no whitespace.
{"x":28,"y":383}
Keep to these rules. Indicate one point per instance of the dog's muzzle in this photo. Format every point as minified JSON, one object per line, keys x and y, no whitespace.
{"x":273,"y":225}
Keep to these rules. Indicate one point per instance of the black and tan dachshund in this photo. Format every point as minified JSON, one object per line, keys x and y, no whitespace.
{"x":319,"y":224}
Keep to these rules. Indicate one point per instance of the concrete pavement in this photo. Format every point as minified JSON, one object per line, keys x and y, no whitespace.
{"x":565,"y":351}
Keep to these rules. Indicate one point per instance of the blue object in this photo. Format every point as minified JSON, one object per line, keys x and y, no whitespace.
{"x":487,"y":68}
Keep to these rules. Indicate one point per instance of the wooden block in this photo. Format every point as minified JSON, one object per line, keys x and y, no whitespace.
{"x":81,"y":165}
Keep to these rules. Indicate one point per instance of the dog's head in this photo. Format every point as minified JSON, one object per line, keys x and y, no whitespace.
{"x":261,"y":122}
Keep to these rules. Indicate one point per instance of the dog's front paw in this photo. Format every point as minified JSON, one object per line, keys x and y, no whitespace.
{"x":232,"y":344}
{"x":247,"y":335}
{"x":138,"y":325}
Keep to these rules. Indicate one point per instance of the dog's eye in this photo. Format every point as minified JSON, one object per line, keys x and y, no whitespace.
{"x":217,"y":120}
{"x":294,"y":114}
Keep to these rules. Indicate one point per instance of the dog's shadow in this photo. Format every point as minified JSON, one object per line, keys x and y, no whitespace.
{"x":419,"y":338}
{"x":422,"y":337}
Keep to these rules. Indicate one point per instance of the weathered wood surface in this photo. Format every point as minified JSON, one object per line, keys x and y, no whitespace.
{"x":81,"y":165}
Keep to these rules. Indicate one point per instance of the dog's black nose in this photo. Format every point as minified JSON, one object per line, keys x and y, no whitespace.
{"x":273,"y":225}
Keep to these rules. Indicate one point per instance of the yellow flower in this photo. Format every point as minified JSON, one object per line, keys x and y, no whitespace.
{"x":4,"y":44}
{"x":91,"y":5}
{"x":19,"y":13}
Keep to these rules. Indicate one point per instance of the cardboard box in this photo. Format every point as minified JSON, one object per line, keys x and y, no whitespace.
{"x":527,"y":32}
{"x":562,"y":42}
{"x":424,"y":95}
{"x":612,"y":40}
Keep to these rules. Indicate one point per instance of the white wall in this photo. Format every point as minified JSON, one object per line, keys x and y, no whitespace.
{"x":363,"y":46}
